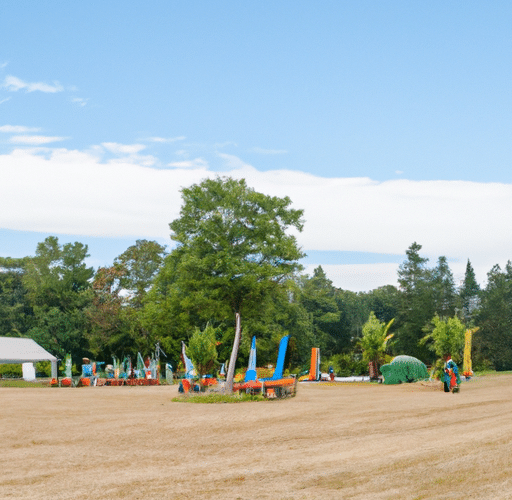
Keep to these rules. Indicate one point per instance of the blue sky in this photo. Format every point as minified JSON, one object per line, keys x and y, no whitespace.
{"x":387,"y":122}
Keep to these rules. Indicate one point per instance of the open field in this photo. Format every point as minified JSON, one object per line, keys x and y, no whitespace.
{"x":350,"y":441}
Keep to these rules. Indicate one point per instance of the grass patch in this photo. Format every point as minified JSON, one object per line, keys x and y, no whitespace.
{"x":482,"y":373}
{"x":22,"y":383}
{"x":210,"y":398}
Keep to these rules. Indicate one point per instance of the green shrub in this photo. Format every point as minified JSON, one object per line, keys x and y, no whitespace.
{"x":202,"y":350}
{"x":11,"y":371}
{"x":44,"y":369}
{"x":75,"y":371}
{"x":481,"y":364}
{"x":344,"y":365}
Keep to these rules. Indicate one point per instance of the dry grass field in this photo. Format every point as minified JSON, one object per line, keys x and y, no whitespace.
{"x":349,"y":441}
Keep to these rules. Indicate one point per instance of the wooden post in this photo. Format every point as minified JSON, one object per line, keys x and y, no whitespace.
{"x":234,"y":353}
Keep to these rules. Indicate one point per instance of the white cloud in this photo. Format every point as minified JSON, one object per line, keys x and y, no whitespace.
{"x":80,"y":101}
{"x":196,"y":163}
{"x":13,"y":84}
{"x":75,"y":192}
{"x":129,"y":149}
{"x":233,"y":162}
{"x":168,"y":139}
{"x":18,"y":129}
{"x":5,"y":100}
{"x":34,"y":139}
{"x":4,"y":64}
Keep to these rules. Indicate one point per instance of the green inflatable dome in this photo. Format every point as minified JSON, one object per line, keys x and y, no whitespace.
{"x":404,"y":369}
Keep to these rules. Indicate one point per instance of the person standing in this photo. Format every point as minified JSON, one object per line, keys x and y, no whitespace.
{"x":451,"y":378}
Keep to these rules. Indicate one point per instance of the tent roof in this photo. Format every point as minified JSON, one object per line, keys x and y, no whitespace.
{"x":20,"y":350}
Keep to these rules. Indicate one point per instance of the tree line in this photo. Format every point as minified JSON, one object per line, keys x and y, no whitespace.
{"x":234,"y":256}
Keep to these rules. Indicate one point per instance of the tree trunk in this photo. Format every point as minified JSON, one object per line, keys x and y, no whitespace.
{"x":234,"y":354}
{"x":374,"y":370}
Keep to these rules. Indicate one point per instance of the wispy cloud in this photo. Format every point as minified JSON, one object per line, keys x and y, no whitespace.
{"x":232,"y":161}
{"x":268,"y":151}
{"x":18,"y":129}
{"x":166,"y":139}
{"x":128,"y":149}
{"x":34,"y":139}
{"x":124,"y":153}
{"x":4,"y":100}
{"x":80,"y":101}
{"x":196,"y":163}
{"x":4,"y":64}
{"x":13,"y":84}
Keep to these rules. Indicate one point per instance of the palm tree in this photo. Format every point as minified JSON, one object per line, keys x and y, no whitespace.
{"x":373,"y":342}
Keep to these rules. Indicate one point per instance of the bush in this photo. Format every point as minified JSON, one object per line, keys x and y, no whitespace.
{"x":344,"y":365}
{"x":75,"y":371}
{"x":44,"y":369}
{"x":11,"y":371}
{"x":481,"y":364}
{"x":202,"y":350}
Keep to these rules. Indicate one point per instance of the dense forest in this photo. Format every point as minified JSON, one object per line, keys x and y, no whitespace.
{"x":233,"y":255}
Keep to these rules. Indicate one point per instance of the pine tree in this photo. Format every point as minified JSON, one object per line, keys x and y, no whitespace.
{"x":443,"y":289}
{"x":469,"y":293}
{"x":416,"y":304}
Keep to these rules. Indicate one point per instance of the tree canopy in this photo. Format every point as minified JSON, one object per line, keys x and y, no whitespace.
{"x":232,"y":241}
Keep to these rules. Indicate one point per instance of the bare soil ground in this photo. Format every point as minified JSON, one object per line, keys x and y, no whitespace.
{"x":333,"y":440}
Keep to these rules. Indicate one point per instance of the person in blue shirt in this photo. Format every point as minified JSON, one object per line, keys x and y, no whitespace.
{"x":451,"y":378}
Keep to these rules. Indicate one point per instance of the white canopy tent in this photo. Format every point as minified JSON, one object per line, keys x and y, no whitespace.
{"x":15,"y":350}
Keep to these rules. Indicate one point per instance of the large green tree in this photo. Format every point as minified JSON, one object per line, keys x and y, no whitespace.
{"x":233,"y":249}
{"x":57,"y":281}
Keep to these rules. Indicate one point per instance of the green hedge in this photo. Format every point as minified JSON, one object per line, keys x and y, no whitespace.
{"x":10,"y":371}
